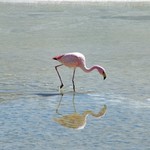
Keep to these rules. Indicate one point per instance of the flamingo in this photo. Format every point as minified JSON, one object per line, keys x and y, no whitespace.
{"x":74,"y":60}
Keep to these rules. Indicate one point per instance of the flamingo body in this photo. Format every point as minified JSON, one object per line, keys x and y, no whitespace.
{"x":75,"y":60}
{"x":71,"y":59}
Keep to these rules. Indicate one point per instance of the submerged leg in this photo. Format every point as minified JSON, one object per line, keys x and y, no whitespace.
{"x":73,"y":79}
{"x":59,"y":76}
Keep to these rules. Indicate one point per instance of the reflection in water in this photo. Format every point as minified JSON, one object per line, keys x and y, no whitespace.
{"x":76,"y":120}
{"x":60,"y":103}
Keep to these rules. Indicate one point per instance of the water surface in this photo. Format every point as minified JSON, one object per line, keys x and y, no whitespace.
{"x":114,"y":36}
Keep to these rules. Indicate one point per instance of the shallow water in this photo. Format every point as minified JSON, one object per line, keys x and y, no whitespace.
{"x":114,"y":36}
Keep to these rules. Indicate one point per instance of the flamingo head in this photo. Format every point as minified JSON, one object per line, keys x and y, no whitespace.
{"x":102,"y":72}
{"x":58,"y":57}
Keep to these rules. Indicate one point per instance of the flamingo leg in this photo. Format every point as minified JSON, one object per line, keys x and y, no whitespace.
{"x":73,"y":79}
{"x":59,"y":75}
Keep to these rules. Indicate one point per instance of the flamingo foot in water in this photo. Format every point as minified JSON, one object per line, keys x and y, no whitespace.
{"x":61,"y":90}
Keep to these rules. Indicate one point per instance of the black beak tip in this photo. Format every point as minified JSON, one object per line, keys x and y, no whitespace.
{"x":104,"y":77}
{"x":54,"y":58}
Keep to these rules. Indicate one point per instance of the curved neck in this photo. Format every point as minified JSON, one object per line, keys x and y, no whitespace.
{"x":86,"y":113}
{"x":99,"y":114}
{"x":97,"y":67}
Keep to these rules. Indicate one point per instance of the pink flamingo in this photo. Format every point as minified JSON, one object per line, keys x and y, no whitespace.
{"x":75,"y":60}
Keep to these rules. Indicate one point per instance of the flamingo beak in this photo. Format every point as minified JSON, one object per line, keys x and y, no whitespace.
{"x":104,"y":75}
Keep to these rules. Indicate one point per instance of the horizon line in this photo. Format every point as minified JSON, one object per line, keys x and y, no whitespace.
{"x":61,"y":1}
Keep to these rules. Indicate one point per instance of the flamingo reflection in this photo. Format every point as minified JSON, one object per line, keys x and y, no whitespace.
{"x":76,"y":120}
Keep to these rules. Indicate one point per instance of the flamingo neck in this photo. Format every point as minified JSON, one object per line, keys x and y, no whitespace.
{"x":97,"y":67}
{"x":88,"y":112}
{"x":99,"y":114}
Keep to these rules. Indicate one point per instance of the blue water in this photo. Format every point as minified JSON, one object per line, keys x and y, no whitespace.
{"x":27,"y":123}
{"x":114,"y":36}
